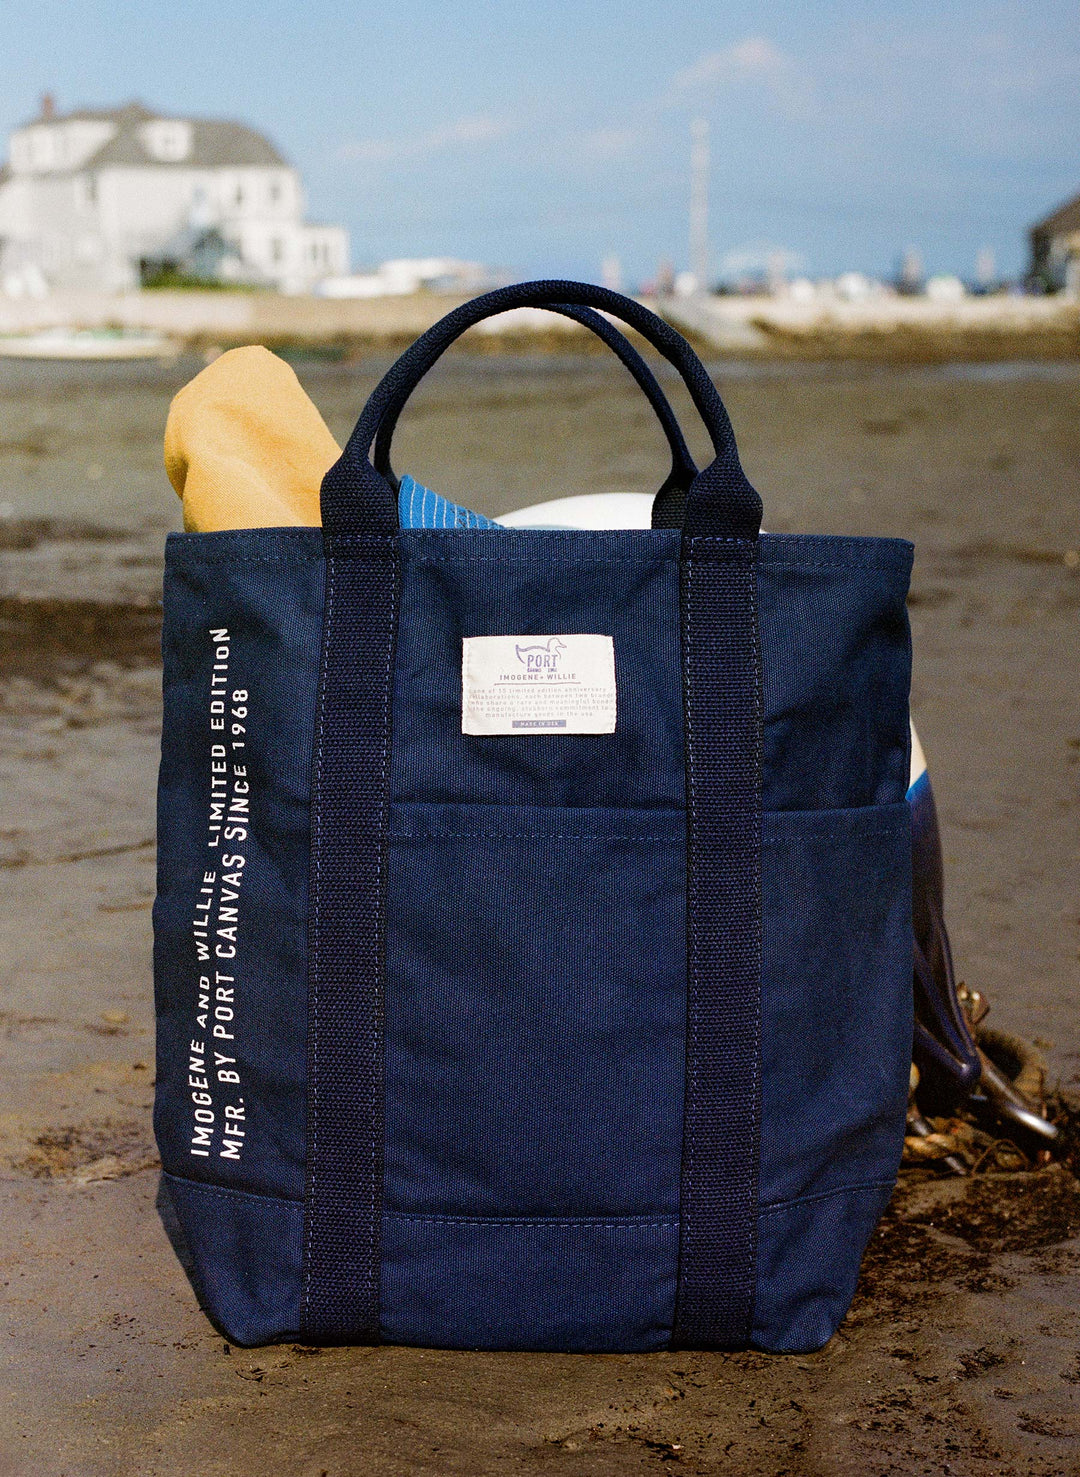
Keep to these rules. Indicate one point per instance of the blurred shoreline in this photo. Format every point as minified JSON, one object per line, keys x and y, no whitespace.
{"x":891,"y":329}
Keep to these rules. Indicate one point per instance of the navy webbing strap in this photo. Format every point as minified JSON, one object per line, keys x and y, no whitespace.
{"x":722,"y":1115}
{"x":683,"y":470}
{"x":346,"y":943}
{"x":720,"y":500}
{"x":350,"y":800}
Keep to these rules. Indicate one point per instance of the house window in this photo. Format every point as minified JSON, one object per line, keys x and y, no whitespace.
{"x":277,"y":249}
{"x":86,"y":190}
{"x":167,"y":140}
{"x":275,"y":192}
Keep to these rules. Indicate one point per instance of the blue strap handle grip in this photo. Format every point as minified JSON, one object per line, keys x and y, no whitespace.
{"x":358,"y":501}
{"x":683,"y":468}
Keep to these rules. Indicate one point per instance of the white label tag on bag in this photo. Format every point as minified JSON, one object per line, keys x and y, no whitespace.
{"x":537,"y":684}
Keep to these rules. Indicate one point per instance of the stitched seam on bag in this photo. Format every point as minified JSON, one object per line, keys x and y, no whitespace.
{"x":527,"y":836}
{"x":542,"y":557}
{"x":808,"y":547}
{"x":226,"y":1193}
{"x":857,"y":1189}
{"x":294,"y":542}
{"x":621,"y":535}
{"x":876,"y":834}
{"x":854,"y":540}
{"x":759,"y":906}
{"x":539,"y":1223}
{"x":849,"y":564}
{"x":313,"y":933}
{"x":525,"y":540}
{"x":194,"y":557}
{"x":236,"y":535}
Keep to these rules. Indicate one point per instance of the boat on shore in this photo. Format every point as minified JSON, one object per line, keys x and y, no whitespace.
{"x":90,"y":344}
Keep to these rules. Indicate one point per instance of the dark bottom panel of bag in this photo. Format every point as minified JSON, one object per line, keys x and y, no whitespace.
{"x":535,"y":1284}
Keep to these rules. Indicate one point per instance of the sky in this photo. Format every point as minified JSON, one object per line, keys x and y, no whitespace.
{"x":541,"y":138}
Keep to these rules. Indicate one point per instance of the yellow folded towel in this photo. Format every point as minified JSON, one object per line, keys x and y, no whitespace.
{"x":245,"y":447}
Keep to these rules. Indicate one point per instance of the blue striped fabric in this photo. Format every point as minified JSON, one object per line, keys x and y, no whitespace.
{"x":419,"y":507}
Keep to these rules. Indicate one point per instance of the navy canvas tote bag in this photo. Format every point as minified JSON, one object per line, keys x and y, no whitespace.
{"x":534,"y":925}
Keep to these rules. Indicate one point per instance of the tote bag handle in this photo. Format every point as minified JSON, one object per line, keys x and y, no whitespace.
{"x":359,"y":501}
{"x":683,"y":468}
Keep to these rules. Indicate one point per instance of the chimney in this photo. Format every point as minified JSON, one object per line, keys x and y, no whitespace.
{"x":48,"y":107}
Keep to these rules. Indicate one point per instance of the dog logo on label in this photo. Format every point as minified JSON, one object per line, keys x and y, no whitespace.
{"x":543,"y":657}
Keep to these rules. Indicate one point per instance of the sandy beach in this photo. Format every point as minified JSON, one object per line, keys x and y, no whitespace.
{"x":962,"y":1352}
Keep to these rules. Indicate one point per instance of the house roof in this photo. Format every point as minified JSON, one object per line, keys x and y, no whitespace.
{"x":133,"y":110}
{"x":216,"y":143}
{"x":1065,"y":218}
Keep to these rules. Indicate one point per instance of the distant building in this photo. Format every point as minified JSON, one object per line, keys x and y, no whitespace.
{"x":1055,"y":248}
{"x":414,"y":274}
{"x":106,"y":198}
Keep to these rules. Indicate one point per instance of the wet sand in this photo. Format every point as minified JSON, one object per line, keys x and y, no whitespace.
{"x":962,"y":1353}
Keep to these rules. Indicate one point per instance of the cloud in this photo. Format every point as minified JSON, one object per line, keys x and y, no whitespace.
{"x":462,"y":132}
{"x":756,"y":62}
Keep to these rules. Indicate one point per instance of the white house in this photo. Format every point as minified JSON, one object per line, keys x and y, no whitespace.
{"x":94,"y":198}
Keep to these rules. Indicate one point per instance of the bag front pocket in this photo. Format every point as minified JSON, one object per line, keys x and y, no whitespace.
{"x":836,"y":997}
{"x":535,"y":1010}
{"x":836,"y":1051}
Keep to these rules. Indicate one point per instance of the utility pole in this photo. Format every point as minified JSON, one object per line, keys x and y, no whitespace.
{"x":699,"y":202}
